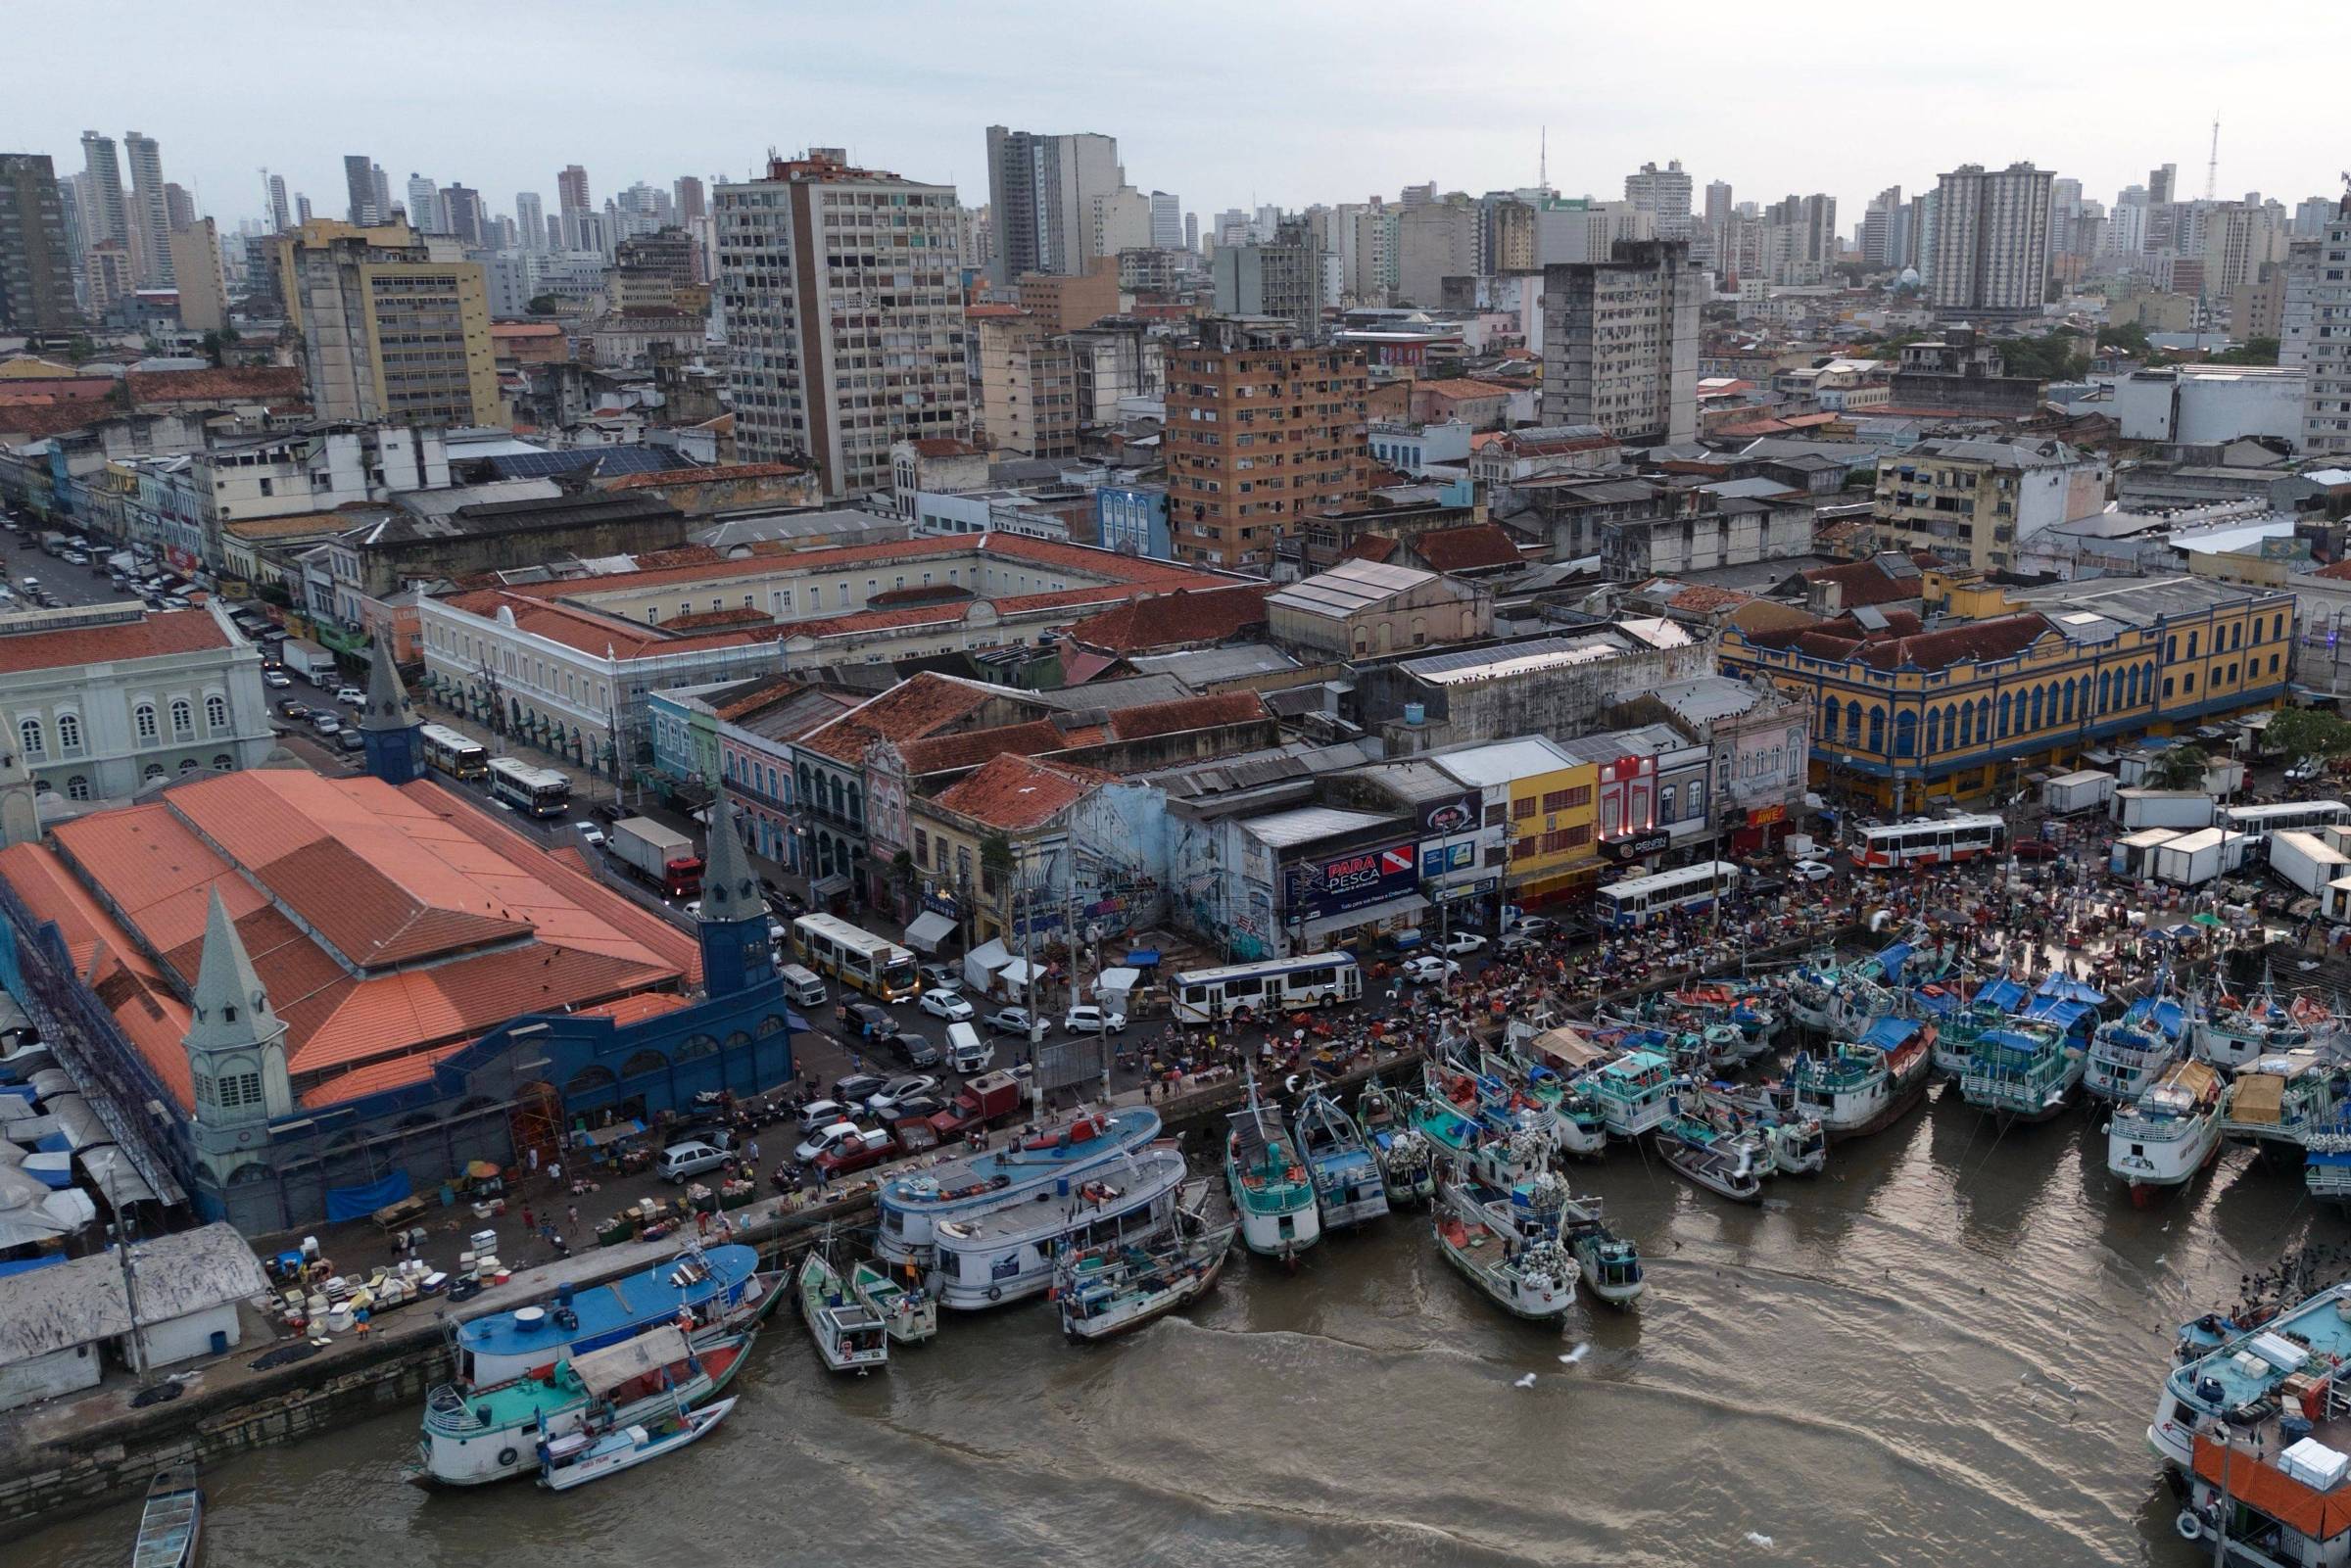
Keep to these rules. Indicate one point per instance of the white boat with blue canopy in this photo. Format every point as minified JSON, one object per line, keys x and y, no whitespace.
{"x":701,"y":1287}
{"x":2128,"y":1055}
{"x":1961,"y":1015}
{"x":1009,"y":1251}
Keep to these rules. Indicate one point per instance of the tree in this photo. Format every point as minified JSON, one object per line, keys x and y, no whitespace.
{"x":2305,"y":733}
{"x":2180,"y":768}
{"x":2048,"y":357}
{"x":542,"y":304}
{"x":2130,"y":336}
{"x":2253,"y":351}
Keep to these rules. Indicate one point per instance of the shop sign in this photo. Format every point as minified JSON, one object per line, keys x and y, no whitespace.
{"x":1637,"y":846}
{"x":1316,"y":889}
{"x":1457,"y":814}
{"x":1460,"y":890}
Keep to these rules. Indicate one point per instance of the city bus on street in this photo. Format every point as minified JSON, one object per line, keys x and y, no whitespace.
{"x":533,"y":791}
{"x":2285,"y":816}
{"x":1272,"y":987}
{"x":856,"y":957}
{"x":1929,"y":841}
{"x":1635,"y":901}
{"x":458,"y":755}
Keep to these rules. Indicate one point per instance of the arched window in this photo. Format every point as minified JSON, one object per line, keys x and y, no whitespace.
{"x":2066,"y":691}
{"x":183,"y":718}
{"x":187,"y":766}
{"x":1828,"y":714}
{"x":644,"y":1061}
{"x":2005,"y":699}
{"x":739,"y":1041}
{"x":698,"y":1045}
{"x":1852,"y":725}
{"x":153,"y":772}
{"x":1877,"y":728}
{"x":1967,"y":724}
{"x":143,"y":717}
{"x":215,"y":712}
{"x":2034,"y":722}
{"x":1950,"y":726}
{"x":224,"y":763}
{"x":2105,"y":690}
{"x":77,"y":788}
{"x":587,"y":1081}
{"x":29,"y":733}
{"x":773,"y":1024}
{"x":69,"y":732}
{"x":1905,"y":733}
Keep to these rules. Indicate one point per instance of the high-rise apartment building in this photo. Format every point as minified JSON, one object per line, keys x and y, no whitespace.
{"x":1118,"y":220}
{"x":149,"y":211}
{"x":2163,"y":185}
{"x":843,"y":304}
{"x":1264,"y":430}
{"x":425,"y":206}
{"x":1991,"y":242}
{"x":1191,"y":232}
{"x":1167,"y":221}
{"x":1282,"y":279}
{"x":1620,"y":342}
{"x":395,"y":329}
{"x":196,"y":274}
{"x":530,"y":220}
{"x":2317,"y":333}
{"x":1663,"y":194}
{"x":381,"y":183}
{"x":280,"y":217}
{"x":179,"y":206}
{"x":1799,"y":238}
{"x":2241,"y":239}
{"x":572,"y":189}
{"x":1027,"y":387}
{"x":1434,"y":241}
{"x":1041,"y":190}
{"x":692,"y":200}
{"x":1881,"y":240}
{"x":107,"y":216}
{"x":358,"y":185}
{"x":462,"y":215}
{"x":36,"y":260}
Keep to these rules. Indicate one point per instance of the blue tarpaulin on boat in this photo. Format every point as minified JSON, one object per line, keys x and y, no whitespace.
{"x":1943,"y":1003}
{"x":1894,"y":958}
{"x":2058,"y":989}
{"x":2065,"y":1015}
{"x":2158,"y":1013}
{"x":1887,"y":1034}
{"x":2002,"y":993}
{"x":357,"y":1202}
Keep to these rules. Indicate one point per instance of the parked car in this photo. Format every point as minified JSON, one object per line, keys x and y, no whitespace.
{"x":1087,"y":1019}
{"x":608,"y":810}
{"x":1535,"y":926}
{"x":867,"y":1020}
{"x":277,"y":679}
{"x":911,"y":1048}
{"x":857,"y":1153}
{"x":839,"y":1135}
{"x":351,"y":740}
{"x":1460,"y":942}
{"x":853,"y":1089}
{"x":589,"y":834}
{"x":1514,"y":944}
{"x":326,"y":722}
{"x":822,"y":1114}
{"x":292,"y":709}
{"x":682,"y":1160}
{"x":1811,"y":870}
{"x":2034,"y":849}
{"x":1428,"y":969}
{"x":914,"y":1107}
{"x":947,"y":1005}
{"x":1008,"y":1021}
{"x":906,"y":1087}
{"x":940,"y":978}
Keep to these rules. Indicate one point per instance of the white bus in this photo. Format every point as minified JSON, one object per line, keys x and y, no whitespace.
{"x":1929,"y":841}
{"x":458,"y":755}
{"x":533,"y":791}
{"x":1638,"y":900}
{"x":2285,"y":815}
{"x":856,"y":957}
{"x":1273,"y":986}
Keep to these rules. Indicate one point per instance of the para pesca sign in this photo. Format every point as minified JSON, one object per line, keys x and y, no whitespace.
{"x":1326,"y":885}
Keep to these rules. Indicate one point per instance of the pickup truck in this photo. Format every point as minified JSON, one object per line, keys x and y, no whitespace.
{"x":856,"y":1153}
{"x":986,"y":1100}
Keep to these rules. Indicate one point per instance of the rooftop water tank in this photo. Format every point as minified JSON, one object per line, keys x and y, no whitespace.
{"x":1416,"y":713}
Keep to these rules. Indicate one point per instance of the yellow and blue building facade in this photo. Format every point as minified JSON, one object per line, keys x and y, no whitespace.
{"x":2018,"y":681}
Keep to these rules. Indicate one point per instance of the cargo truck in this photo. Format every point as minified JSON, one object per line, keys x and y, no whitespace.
{"x":660,"y":855}
{"x":307,"y":660}
{"x":2306,"y":861}
{"x":2134,"y":809}
{"x":2070,"y":792}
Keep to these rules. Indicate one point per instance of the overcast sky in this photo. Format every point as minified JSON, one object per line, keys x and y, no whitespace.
{"x":1224,"y":102}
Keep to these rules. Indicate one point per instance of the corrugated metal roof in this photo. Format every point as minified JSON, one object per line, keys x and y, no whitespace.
{"x":1304,"y":825}
{"x":1504,"y":760}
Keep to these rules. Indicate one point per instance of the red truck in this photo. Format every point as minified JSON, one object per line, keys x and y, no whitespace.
{"x":856,"y":1154}
{"x":986,"y":1101}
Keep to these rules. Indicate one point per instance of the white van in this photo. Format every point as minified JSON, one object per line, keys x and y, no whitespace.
{"x":802,"y":986}
{"x":967,"y":1050}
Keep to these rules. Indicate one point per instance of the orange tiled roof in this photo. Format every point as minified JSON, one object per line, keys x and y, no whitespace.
{"x":1466,"y":550}
{"x":1016,"y":793}
{"x":37,"y":421}
{"x":968,"y":748}
{"x":1185,"y":713}
{"x":1169,"y":620}
{"x":1459,"y":388}
{"x":912,"y":709}
{"x":258,"y":383}
{"x":150,"y":637}
{"x":391,"y":877}
{"x":1374,"y":548}
{"x":701,"y":476}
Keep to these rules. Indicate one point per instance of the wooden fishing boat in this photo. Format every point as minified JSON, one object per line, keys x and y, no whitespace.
{"x":171,"y":1525}
{"x":910,"y":1317}
{"x":577,"y":1459}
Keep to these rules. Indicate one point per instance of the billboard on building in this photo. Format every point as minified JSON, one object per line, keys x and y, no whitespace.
{"x":1334,"y":884}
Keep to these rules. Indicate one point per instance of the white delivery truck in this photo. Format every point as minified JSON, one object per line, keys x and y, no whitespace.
{"x":2194,"y":859}
{"x":2306,"y":861}
{"x":2134,"y":809}
{"x":2070,"y":792}
{"x":307,"y":661}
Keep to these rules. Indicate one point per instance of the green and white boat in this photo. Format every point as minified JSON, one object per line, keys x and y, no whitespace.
{"x":1272,"y":1193}
{"x":910,"y":1317}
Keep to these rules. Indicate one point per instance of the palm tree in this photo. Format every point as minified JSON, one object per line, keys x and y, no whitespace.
{"x":2180,"y":768}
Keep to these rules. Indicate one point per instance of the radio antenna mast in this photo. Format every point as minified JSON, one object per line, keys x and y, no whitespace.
{"x":2212,"y":168}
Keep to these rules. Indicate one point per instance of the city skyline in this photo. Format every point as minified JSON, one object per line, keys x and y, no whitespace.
{"x":2011,"y":88}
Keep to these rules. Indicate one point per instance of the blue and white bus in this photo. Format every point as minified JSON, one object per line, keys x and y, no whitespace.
{"x":1273,"y":985}
{"x":2285,"y":816}
{"x":1638,"y":900}
{"x":533,"y":791}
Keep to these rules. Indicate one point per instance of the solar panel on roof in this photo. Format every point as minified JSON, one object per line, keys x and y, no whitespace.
{"x":608,"y":462}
